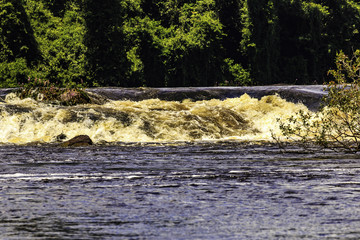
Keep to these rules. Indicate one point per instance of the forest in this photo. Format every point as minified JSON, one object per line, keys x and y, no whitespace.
{"x":173,"y":43}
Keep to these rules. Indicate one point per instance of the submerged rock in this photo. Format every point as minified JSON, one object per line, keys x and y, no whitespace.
{"x":78,"y":141}
{"x":60,"y":137}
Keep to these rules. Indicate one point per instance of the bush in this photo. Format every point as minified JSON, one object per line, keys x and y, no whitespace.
{"x":337,"y":124}
{"x":44,"y":91}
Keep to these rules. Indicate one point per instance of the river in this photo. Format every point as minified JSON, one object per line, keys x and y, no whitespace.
{"x":207,"y":190}
{"x":213,"y":174}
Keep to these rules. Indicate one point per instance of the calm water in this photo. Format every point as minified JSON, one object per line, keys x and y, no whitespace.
{"x":223,"y":190}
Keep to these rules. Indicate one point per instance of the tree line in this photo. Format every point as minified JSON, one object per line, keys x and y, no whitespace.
{"x":132,"y":43}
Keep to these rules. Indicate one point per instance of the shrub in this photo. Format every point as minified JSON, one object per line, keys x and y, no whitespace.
{"x":44,"y":91}
{"x":337,"y":124}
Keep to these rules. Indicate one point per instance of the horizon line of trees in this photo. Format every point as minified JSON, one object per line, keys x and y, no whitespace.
{"x":171,"y":43}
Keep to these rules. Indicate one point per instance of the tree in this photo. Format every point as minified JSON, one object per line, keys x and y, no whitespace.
{"x":106,"y":52}
{"x":301,"y":47}
{"x":263,"y":43}
{"x":342,"y":27}
{"x":133,"y":43}
{"x":18,"y":48}
{"x":16,"y":34}
{"x":182,"y":49}
{"x":230,"y":17}
{"x":60,"y":41}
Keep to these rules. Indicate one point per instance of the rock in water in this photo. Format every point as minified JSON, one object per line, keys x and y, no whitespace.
{"x":78,"y":141}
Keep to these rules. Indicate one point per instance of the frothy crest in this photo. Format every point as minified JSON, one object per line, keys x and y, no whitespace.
{"x":153,"y":120}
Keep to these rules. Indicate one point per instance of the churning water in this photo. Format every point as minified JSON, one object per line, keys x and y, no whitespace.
{"x":151,"y":120}
{"x":169,"y":170}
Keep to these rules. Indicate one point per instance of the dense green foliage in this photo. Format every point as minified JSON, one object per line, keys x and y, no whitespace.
{"x":174,"y":42}
{"x":39,"y":44}
{"x":337,"y":125}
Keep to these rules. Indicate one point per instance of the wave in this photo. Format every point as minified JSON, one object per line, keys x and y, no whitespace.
{"x":158,"y":115}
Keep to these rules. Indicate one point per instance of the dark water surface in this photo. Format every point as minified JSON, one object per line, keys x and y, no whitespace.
{"x":223,"y":190}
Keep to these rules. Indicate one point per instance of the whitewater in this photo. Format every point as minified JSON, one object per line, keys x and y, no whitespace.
{"x":243,"y":117}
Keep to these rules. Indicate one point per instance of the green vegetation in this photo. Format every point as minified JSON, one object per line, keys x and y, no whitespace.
{"x":36,"y":43}
{"x":134,"y":43}
{"x":337,"y":125}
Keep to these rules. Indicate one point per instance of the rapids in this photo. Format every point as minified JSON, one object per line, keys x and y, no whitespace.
{"x":242,"y":117}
